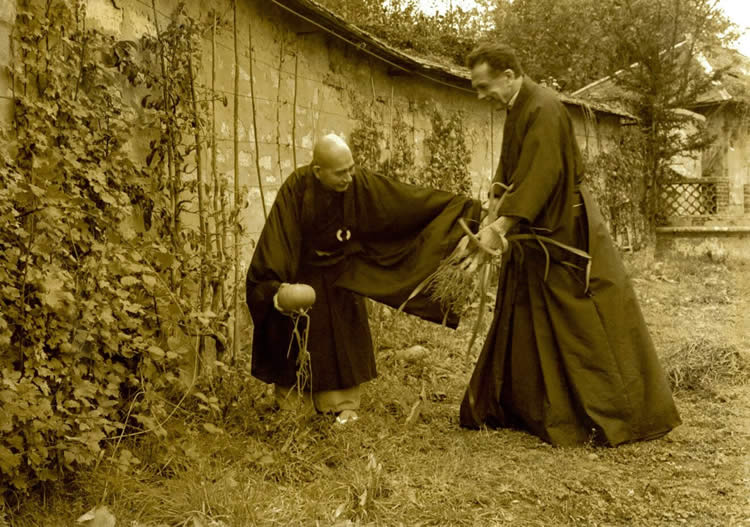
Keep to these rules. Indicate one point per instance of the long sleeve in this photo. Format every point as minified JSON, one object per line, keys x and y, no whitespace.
{"x":277,"y":255}
{"x":540,"y":164}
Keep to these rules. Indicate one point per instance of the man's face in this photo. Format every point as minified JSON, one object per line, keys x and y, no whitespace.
{"x":497,"y":86}
{"x":337,"y":175}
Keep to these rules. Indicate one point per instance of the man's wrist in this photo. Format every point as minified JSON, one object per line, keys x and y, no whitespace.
{"x":503,"y":225}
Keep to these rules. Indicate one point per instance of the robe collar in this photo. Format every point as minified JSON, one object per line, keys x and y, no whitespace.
{"x":512,"y":100}
{"x":518,"y":100}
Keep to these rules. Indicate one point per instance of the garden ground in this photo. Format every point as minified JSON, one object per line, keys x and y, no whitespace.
{"x":407,"y":462}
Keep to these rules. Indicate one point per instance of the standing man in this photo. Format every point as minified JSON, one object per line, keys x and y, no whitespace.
{"x":349,"y":234}
{"x":568,"y":356}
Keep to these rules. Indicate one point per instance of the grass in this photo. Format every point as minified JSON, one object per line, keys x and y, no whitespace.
{"x":407,"y":462}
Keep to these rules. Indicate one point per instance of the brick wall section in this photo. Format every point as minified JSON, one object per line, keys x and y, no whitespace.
{"x":332,"y":76}
{"x":7,"y":18}
{"x":722,"y":196}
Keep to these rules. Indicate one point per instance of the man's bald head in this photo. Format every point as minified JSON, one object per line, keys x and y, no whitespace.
{"x":330,"y":150}
{"x":333,"y":163}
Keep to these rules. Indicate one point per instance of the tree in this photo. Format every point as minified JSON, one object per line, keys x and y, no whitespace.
{"x":653,"y":45}
{"x":561,"y":43}
{"x":657,"y":43}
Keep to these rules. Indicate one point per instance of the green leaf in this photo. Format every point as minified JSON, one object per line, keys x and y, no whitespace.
{"x":156,"y":352}
{"x":149,"y":281}
{"x":212,"y":429}
{"x":128,"y":281}
{"x":8,"y":460}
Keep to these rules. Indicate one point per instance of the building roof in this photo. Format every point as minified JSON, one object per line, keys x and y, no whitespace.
{"x":730,"y":68}
{"x":454,"y":76}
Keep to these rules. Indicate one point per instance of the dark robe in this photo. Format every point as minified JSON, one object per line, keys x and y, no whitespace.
{"x":568,"y":356}
{"x":378,"y":239}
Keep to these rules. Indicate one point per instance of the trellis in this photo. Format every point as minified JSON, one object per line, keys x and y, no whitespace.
{"x":689,"y":197}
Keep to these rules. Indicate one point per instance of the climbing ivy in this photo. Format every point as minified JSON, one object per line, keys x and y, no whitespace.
{"x":616,"y":179}
{"x":102,"y":270}
{"x":448,"y":155}
{"x":448,"y":164}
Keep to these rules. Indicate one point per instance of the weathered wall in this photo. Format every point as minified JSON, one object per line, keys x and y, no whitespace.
{"x":719,"y":242}
{"x":595,"y":132}
{"x":7,"y":18}
{"x":307,"y":83}
{"x":331,"y":78}
{"x":729,"y":157}
{"x":738,"y":164}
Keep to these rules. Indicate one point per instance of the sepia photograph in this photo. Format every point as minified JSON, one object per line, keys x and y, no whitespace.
{"x":374,"y":263}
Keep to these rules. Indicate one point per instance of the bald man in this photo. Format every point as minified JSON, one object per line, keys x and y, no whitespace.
{"x":349,"y":234}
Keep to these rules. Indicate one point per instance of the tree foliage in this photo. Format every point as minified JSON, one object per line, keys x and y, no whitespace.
{"x":652,"y":45}
{"x":563,"y":44}
{"x":448,"y":37}
{"x":658,"y":45}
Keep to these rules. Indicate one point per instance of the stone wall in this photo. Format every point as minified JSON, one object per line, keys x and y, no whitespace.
{"x":7,"y":18}
{"x":730,"y":159}
{"x":719,"y":242}
{"x":598,"y":135}
{"x":307,"y":82}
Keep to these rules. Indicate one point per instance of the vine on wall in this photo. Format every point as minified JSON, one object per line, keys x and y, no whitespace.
{"x":616,"y":178}
{"x":111,"y":276}
{"x":448,"y":164}
{"x":448,"y":155}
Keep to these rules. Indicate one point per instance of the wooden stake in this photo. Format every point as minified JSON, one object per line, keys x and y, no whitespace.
{"x":171,"y":169}
{"x":201,"y":199}
{"x":219,"y":212}
{"x":294,"y":114}
{"x":219,"y":234}
{"x":255,"y":121}
{"x":390,"y":129}
{"x":278,"y":113}
{"x":236,"y":295}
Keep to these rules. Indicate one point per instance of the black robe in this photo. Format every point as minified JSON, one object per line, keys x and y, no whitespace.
{"x":568,"y":354}
{"x":378,"y":239}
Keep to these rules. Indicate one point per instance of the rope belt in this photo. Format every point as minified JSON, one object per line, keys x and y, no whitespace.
{"x":544,"y":241}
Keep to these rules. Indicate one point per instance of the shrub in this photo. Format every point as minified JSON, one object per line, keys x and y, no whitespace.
{"x":99,"y":278}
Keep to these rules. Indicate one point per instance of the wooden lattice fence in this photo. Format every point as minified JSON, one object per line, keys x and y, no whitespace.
{"x":690,"y":197}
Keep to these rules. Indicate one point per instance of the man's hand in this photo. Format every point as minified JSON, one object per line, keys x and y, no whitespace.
{"x":493,"y":237}
{"x":463,"y":249}
{"x":276,"y":300}
{"x":490,"y":238}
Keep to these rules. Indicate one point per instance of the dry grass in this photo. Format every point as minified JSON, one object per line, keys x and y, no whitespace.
{"x":454,"y":287}
{"x":702,"y":365}
{"x":407,"y":462}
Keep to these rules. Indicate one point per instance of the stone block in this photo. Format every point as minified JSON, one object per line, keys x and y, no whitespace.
{"x":104,"y":16}
{"x":5,"y":51}
{"x":8,"y":11}
{"x":6,"y":112}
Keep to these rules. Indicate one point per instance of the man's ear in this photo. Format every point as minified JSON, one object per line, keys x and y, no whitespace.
{"x":316,"y":171}
{"x":510,"y":73}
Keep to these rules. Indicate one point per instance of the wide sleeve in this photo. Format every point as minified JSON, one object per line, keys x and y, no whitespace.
{"x":392,"y":209}
{"x":540,"y":162}
{"x":406,"y":232}
{"x":277,"y":253}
